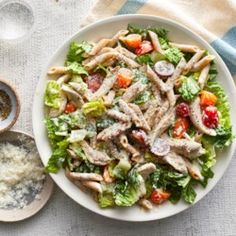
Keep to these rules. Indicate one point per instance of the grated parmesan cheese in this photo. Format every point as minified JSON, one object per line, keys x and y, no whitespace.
{"x":21,"y":175}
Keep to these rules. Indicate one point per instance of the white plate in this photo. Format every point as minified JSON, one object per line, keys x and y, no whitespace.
{"x":107,"y":28}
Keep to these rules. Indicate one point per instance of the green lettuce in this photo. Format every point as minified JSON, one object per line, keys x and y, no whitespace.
{"x":76,"y":68}
{"x":161,"y":32}
{"x":189,"y":88}
{"x":106,"y":198}
{"x":103,"y":123}
{"x":76,"y":52}
{"x":94,"y":108}
{"x":139,"y":76}
{"x":58,"y":157}
{"x":143,"y":97}
{"x":173,"y":55}
{"x":145,"y":59}
{"x":224,"y":135}
{"x":52,"y":94}
{"x":127,"y":192}
{"x":121,"y":169}
{"x":178,"y":184}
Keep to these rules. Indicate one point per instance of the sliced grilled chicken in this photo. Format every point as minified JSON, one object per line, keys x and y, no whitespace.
{"x":94,"y":156}
{"x":187,"y":148}
{"x":146,"y":169}
{"x":95,"y":186}
{"x":176,"y":161}
{"x":113,"y":131}
{"x":72,"y":95}
{"x":196,"y":118}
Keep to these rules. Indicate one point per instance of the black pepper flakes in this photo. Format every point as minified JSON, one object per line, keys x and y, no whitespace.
{"x":5,"y":105}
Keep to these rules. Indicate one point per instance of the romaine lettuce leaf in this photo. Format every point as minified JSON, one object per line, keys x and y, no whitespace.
{"x":94,"y":108}
{"x":161,"y":32}
{"x":224,"y":135}
{"x":189,"y":88}
{"x":76,"y":51}
{"x":128,"y":192}
{"x":173,"y":55}
{"x":76,"y":68}
{"x":121,"y":169}
{"x":58,"y":157}
{"x":143,"y":97}
{"x":52,"y":94}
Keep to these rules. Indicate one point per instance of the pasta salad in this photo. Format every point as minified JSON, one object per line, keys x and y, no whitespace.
{"x":136,"y":118}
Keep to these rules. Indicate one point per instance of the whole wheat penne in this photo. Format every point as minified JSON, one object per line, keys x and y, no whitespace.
{"x":203,"y":76}
{"x":57,"y":70}
{"x":195,"y":58}
{"x":203,"y":63}
{"x":185,"y":47}
{"x":155,"y":42}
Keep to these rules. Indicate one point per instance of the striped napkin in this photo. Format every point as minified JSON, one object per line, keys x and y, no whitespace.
{"x":214,"y":20}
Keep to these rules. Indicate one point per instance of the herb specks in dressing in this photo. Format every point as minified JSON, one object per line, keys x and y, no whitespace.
{"x":5,"y":105}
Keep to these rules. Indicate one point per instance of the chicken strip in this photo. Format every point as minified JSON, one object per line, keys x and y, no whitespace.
{"x":187,"y":148}
{"x":176,"y":161}
{"x":146,"y":169}
{"x":94,"y":156}
{"x":113,"y":131}
{"x":196,"y":118}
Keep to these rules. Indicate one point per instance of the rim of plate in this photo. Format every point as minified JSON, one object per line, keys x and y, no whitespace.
{"x":115,"y":19}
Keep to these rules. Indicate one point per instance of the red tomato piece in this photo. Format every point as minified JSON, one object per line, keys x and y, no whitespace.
{"x":181,"y":126}
{"x":144,"y":48}
{"x":132,"y":40}
{"x":158,"y":196}
{"x":70,"y":107}
{"x":207,"y":98}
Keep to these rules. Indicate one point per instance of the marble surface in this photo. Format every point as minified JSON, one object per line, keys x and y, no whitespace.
{"x":21,"y":63}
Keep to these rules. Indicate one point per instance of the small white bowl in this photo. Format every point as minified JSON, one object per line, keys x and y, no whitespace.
{"x":15,"y":106}
{"x":38,"y":202}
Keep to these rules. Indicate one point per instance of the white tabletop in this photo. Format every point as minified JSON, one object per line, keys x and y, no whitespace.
{"x":21,"y":63}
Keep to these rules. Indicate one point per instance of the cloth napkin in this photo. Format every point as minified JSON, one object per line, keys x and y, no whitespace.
{"x":214,"y":20}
